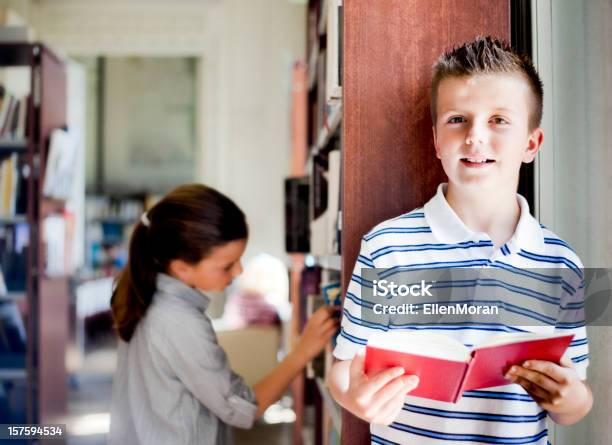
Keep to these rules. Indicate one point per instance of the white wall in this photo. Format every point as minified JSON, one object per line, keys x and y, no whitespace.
{"x":75,"y":119}
{"x":575,"y":169}
{"x":259,"y":40}
{"x":23,"y":8}
{"x":90,"y":68}
{"x":245,"y":51}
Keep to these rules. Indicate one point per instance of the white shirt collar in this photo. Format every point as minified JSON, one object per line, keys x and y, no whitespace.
{"x":528,"y":234}
{"x":447,"y":227}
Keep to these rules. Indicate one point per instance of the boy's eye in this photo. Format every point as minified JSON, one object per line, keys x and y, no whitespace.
{"x":456,"y":120}
{"x":500,"y":120}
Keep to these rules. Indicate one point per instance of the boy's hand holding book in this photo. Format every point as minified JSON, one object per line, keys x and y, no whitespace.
{"x":376,"y":398}
{"x":556,"y":388}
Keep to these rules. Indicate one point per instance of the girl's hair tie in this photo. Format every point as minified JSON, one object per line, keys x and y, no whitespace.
{"x":144,"y":219}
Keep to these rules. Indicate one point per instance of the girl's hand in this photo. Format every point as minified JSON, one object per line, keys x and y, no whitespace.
{"x":556,"y":388}
{"x":318,"y":331}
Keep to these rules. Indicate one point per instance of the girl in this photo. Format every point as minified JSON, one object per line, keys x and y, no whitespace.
{"x":173,"y":384}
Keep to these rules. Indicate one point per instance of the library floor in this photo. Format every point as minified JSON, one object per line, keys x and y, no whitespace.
{"x":89,"y":403}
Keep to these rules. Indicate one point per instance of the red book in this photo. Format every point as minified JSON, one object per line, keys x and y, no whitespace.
{"x":446,"y":368}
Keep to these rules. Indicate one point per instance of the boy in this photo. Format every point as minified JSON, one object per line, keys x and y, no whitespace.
{"x":486,"y":104}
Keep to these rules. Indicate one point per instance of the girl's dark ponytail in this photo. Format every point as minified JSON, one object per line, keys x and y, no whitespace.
{"x":186,"y":224}
{"x":135,"y":286}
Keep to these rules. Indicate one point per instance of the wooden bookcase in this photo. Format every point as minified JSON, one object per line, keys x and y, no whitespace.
{"x":45,"y":302}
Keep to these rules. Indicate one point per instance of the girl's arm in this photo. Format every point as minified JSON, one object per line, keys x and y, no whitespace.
{"x":317,"y":333}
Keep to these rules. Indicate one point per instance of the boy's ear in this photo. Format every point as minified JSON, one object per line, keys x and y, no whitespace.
{"x":435,"y":140}
{"x":181,"y":270}
{"x":534,"y":142}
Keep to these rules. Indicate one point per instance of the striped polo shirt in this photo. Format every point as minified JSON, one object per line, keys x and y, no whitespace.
{"x":435,"y":237}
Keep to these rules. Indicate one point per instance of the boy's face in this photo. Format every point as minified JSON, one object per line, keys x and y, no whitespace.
{"x":482,"y":134}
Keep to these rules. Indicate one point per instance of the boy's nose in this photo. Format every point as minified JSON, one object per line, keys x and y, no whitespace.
{"x":476,"y":136}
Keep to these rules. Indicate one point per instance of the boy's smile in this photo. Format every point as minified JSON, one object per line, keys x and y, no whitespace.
{"x":482,"y":134}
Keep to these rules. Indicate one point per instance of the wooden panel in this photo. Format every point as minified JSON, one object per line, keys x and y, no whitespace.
{"x":388,"y":156}
{"x":53,"y":338}
{"x":53,"y":100}
{"x":52,"y":307}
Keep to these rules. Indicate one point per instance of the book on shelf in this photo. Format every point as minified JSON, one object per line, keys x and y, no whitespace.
{"x":310,"y":281}
{"x":319,"y":209}
{"x":12,"y":336}
{"x":446,"y":368}
{"x":319,"y":366}
{"x":328,"y":292}
{"x":322,"y":23}
{"x":13,"y":344}
{"x":58,"y":230}
{"x":61,"y":165}
{"x":312,"y":43}
{"x":14,"y":242}
{"x":332,"y":293}
{"x":13,"y":115}
{"x":315,"y":367}
{"x":3,"y":289}
{"x":8,"y":185}
{"x":297,"y":232}
{"x":333,"y":201}
{"x":322,"y":110}
{"x":21,"y":117}
{"x":312,"y":34}
{"x":333,"y":78}
{"x":14,"y":173}
{"x":325,"y":223}
{"x":313,"y":57}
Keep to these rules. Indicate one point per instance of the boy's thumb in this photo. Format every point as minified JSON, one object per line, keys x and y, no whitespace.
{"x":356,"y":368}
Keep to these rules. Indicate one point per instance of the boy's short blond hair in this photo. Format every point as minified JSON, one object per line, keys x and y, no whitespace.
{"x":488,"y":55}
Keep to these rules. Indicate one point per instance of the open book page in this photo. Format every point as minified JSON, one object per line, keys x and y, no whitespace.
{"x":427,"y":344}
{"x":491,"y":363}
{"x":515,"y":337}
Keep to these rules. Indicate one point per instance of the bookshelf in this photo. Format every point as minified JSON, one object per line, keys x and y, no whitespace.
{"x":38,"y":379}
{"x":313,"y":213}
{"x":109,"y":222}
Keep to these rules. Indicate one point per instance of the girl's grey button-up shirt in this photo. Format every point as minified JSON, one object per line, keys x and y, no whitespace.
{"x":173,"y":383}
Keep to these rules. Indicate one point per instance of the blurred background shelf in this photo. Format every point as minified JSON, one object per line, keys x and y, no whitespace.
{"x":10,"y":146}
{"x":335,"y":411}
{"x":14,"y":296}
{"x":4,"y":220}
{"x":13,"y":374}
